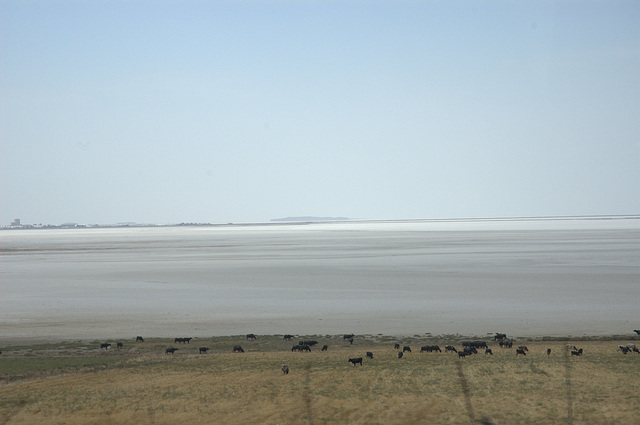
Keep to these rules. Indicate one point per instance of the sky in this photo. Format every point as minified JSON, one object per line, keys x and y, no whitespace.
{"x":245,"y":111}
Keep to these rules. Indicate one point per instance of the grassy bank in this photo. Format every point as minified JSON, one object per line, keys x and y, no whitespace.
{"x":78,"y":383}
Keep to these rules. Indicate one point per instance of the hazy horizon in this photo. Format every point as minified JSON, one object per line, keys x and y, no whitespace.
{"x":246,"y":111}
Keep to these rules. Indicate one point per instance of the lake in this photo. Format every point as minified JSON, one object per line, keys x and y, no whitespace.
{"x":525,"y":277}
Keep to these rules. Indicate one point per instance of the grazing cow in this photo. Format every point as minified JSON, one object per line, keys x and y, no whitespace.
{"x":369,"y":354}
{"x":287,"y":337}
{"x":520,"y":351}
{"x":470,"y":350}
{"x":296,"y":348}
{"x":576,"y":352}
{"x":285,"y":369}
{"x":462,"y":354}
{"x":139,"y":339}
{"x":450,"y":348}
{"x":523,"y":348}
{"x":488,"y":351}
{"x":624,"y":349}
{"x":406,"y":348}
{"x":325,"y":347}
{"x":119,"y":345}
{"x":499,"y":337}
{"x":435,"y":348}
{"x":506,"y":343}
{"x":430,"y":348}
{"x":105,"y":345}
{"x":637,"y":331}
{"x":348,"y":336}
{"x":400,"y":354}
{"x":356,"y":361}
{"x":548,"y":351}
{"x":635,"y":350}
{"x":304,"y":348}
{"x":203,"y":350}
{"x":237,"y":349}
{"x":251,"y":336}
{"x":170,"y":351}
{"x":396,"y":346}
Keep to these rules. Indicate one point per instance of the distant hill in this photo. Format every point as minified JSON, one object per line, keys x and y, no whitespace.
{"x":310,"y":218}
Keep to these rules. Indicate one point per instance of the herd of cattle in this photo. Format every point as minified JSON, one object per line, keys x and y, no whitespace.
{"x":468,"y":347}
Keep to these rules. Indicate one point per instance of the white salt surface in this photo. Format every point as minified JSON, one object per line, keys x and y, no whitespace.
{"x":523,"y":277}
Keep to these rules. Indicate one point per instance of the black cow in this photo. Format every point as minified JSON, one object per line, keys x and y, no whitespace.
{"x":400,"y":354}
{"x":203,"y":350}
{"x":499,"y":337}
{"x":170,"y":351}
{"x":285,"y":369}
{"x":287,"y":337}
{"x":304,"y":348}
{"x":139,"y":339}
{"x":105,"y":345}
{"x":325,"y":347}
{"x":178,"y":340}
{"x":356,"y":361}
{"x":523,"y":347}
{"x":469,"y":350}
{"x":119,"y":345}
{"x":463,"y":353}
{"x":237,"y":349}
{"x":296,"y":348}
{"x":406,"y":348}
{"x":369,"y":354}
{"x":637,"y":331}
{"x":396,"y":346}
{"x":520,"y":351}
{"x":507,"y":343}
{"x":624,"y":349}
{"x":548,"y":351}
{"x":488,"y":351}
{"x":576,"y":352}
{"x":430,"y":348}
{"x":309,"y":343}
{"x":450,"y":348}
{"x":348,"y":336}
{"x":251,"y":336}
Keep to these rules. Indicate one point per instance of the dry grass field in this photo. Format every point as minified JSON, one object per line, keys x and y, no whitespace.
{"x":78,"y":383}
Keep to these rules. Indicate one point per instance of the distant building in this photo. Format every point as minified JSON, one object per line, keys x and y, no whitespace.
{"x":15,"y":222}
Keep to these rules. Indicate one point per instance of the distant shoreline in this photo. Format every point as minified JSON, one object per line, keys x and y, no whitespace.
{"x":303,"y":220}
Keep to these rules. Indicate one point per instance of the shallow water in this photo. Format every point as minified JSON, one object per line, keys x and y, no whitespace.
{"x":523,"y":277}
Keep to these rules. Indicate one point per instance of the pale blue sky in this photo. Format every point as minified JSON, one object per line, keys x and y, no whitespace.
{"x":234,"y":111}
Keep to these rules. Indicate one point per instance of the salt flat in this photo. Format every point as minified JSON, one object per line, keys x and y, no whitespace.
{"x":553,"y":277}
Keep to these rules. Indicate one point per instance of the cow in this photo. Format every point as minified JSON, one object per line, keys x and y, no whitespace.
{"x":105,"y":345}
{"x":347,"y":336}
{"x":356,"y":361}
{"x":637,"y":331}
{"x":396,"y":346}
{"x":450,"y":348}
{"x":488,"y":351}
{"x":304,"y":348}
{"x":119,"y":345}
{"x":170,"y":351}
{"x":462,"y":354}
{"x":470,"y":350}
{"x":178,"y":340}
{"x":406,"y":348}
{"x":237,"y":349}
{"x":548,"y":351}
{"x":430,"y":348}
{"x":351,"y":341}
{"x":577,"y":352}
{"x":296,"y":348}
{"x":635,"y":350}
{"x":139,"y":339}
{"x":251,"y":336}
{"x":369,"y":354}
{"x":520,"y":351}
{"x":624,"y":349}
{"x":325,"y":347}
{"x":287,"y":337}
{"x":436,"y":348}
{"x":523,"y":348}
{"x":285,"y":369}
{"x":400,"y":354}
{"x":309,"y":343}
{"x":203,"y":350}
{"x":506,"y":343}
{"x":499,"y":337}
